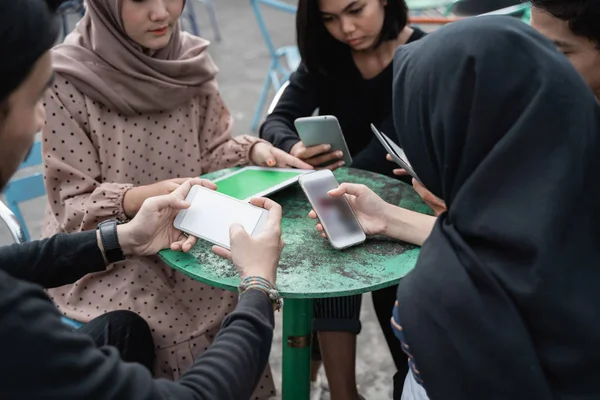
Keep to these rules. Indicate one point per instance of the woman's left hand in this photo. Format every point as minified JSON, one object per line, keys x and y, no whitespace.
{"x":435,"y":203}
{"x":267,"y":155}
{"x":152,"y":228}
{"x":397,"y":171}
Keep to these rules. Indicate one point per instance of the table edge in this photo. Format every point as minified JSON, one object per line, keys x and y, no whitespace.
{"x":287,"y":295}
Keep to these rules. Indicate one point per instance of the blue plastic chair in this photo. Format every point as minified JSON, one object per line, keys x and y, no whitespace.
{"x":190,"y":14}
{"x":26,"y":188}
{"x":279,"y":72}
{"x":67,"y":8}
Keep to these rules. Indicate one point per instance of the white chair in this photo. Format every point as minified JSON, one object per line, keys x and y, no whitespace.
{"x":18,"y":234}
{"x":12,"y":223}
{"x":277,"y":97}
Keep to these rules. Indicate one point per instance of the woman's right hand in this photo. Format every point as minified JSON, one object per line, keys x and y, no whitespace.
{"x":317,"y":156}
{"x":256,"y":255}
{"x":135,"y":197}
{"x":370,"y":209}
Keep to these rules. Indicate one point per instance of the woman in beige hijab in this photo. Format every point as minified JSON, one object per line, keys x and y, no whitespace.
{"x":135,"y":110}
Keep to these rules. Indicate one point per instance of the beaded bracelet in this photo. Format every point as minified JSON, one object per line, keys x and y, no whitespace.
{"x":260,"y":283}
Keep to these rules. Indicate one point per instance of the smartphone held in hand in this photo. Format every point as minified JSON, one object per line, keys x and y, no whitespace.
{"x":323,"y":129}
{"x":395,"y":152}
{"x":211,"y":214}
{"x":335,"y":214}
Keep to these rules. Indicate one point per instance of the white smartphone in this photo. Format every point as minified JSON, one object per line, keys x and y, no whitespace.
{"x":395,"y":152}
{"x":323,"y":129}
{"x":335,"y":214}
{"x":211,"y":214}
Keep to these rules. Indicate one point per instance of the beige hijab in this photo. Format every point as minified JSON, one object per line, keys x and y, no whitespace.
{"x":103,"y":63}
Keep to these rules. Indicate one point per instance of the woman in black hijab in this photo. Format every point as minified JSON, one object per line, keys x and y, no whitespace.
{"x":504,"y":302}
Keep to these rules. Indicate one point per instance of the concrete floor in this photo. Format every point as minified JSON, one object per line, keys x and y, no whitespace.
{"x":243,"y":60}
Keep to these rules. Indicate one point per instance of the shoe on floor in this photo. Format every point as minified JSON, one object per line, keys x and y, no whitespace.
{"x":316,"y":389}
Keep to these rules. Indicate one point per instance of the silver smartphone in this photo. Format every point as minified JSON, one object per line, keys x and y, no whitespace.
{"x":211,"y":214}
{"x":323,"y":129}
{"x":339,"y":221}
{"x":395,"y":152}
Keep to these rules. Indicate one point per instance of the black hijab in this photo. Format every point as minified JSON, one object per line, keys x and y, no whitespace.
{"x":28,"y":28}
{"x":504,"y":302}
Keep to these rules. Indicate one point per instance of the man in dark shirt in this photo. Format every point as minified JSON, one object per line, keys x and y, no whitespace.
{"x":574,"y":26}
{"x":41,"y":358}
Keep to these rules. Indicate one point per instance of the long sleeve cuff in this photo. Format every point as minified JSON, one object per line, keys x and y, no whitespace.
{"x":287,"y":144}
{"x":57,"y":261}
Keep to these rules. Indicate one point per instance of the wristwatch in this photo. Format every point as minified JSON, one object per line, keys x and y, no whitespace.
{"x":110,"y":241}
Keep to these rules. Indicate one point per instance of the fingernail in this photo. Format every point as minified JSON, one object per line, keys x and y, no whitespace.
{"x":342,"y":163}
{"x":270,"y":163}
{"x":327,"y":147}
{"x":339,"y":154}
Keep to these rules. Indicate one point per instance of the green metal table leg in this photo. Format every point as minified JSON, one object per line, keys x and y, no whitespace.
{"x":297,"y":334}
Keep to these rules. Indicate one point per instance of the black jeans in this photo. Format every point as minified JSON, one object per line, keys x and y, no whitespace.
{"x":126,"y":331}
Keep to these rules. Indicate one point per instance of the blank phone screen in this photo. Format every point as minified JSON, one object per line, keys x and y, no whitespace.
{"x":211,"y":215}
{"x":334,"y":212}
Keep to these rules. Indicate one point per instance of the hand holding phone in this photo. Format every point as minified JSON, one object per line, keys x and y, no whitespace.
{"x":396,"y":171}
{"x":435,"y":203}
{"x":256,"y":255}
{"x":318,"y":155}
{"x":395,"y":152}
{"x":323,"y":130}
{"x":337,"y":217}
{"x":211,"y":215}
{"x":152,"y":230}
{"x":370,"y":209}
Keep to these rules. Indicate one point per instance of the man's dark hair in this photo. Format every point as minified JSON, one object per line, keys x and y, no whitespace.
{"x":28,"y":28}
{"x":320,"y":51}
{"x":583,"y":16}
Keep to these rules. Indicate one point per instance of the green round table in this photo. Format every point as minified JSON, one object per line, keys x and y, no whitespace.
{"x":310,"y":268}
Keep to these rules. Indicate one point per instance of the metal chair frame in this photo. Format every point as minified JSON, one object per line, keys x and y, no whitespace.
{"x":278,"y":72}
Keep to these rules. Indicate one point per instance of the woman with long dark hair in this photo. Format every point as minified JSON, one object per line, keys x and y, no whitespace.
{"x":347,"y":48}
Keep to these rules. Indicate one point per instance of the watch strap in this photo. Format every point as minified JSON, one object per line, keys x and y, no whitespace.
{"x":110,"y":241}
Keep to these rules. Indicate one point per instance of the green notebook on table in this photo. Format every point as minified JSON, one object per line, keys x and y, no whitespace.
{"x":251,"y":182}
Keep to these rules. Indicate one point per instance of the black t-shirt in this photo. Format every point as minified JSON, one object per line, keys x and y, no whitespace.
{"x":355,"y":101}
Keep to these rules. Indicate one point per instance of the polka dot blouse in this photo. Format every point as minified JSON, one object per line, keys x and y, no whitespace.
{"x":92,"y":156}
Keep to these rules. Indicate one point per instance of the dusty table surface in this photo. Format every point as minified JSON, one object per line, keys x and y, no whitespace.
{"x":309,"y":266}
